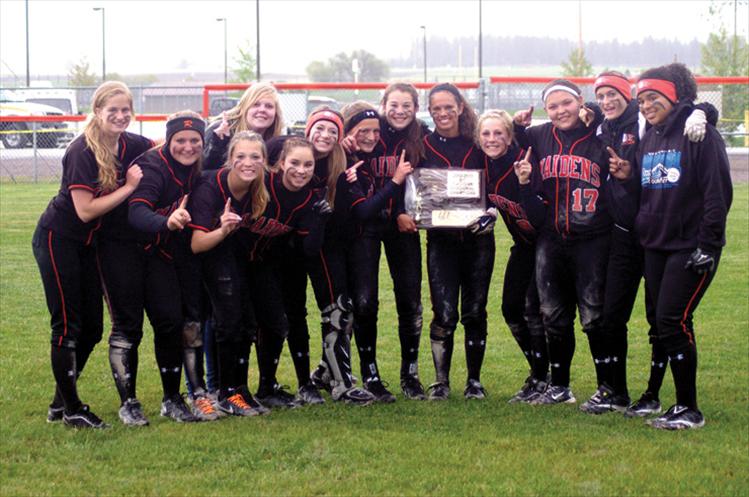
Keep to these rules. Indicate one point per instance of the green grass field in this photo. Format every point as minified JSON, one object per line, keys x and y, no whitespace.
{"x":406,"y":448}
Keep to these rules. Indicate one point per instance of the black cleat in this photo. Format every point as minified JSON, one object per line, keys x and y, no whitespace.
{"x":474,"y":390}
{"x":176,"y":409}
{"x":354,"y":395}
{"x":412,"y":388}
{"x":54,"y":414}
{"x":604,"y":400}
{"x":645,"y":406}
{"x":83,"y":418}
{"x":555,"y":394}
{"x":679,"y":418}
{"x":309,"y":395}
{"x":378,"y":389}
{"x":276,"y":396}
{"x":525,"y":391}
{"x":439,"y":391}
{"x":131,"y":413}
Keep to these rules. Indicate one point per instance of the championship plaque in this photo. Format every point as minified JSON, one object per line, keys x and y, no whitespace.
{"x":444,"y":198}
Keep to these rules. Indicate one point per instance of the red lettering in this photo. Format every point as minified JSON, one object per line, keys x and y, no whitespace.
{"x":595,"y":177}
{"x":575,"y":168}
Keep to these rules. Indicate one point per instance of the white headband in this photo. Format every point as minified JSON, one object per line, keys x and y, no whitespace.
{"x":559,"y":88}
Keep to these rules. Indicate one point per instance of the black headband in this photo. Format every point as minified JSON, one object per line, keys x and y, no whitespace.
{"x":182,"y":124}
{"x":359,"y":117}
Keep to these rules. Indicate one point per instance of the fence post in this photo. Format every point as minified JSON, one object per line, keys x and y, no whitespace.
{"x":36,"y":151}
{"x":482,"y":95}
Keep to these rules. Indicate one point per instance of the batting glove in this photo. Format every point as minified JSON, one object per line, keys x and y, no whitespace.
{"x":694,"y":128}
{"x":700,"y":262}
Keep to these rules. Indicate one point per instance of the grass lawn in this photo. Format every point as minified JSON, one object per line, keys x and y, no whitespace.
{"x":407,"y":448}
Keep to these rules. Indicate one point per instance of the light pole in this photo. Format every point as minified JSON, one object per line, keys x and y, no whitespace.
{"x":28,"y":74}
{"x":424,"y":28}
{"x":103,"y":45}
{"x":226,"y":63}
{"x":481,"y":71}
{"x":257,"y":39}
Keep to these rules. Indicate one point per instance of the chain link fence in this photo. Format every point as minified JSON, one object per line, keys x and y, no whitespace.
{"x":32,"y":147}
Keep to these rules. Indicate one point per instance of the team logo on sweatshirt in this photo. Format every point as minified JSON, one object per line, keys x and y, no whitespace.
{"x":628,"y":139}
{"x":662,"y":169}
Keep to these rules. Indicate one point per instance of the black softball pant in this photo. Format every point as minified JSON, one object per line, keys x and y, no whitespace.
{"x":520,"y":308}
{"x":403,"y":253}
{"x":676,"y":293}
{"x":135,"y":280}
{"x":227,"y":278}
{"x":460,"y":266}
{"x":623,"y":276}
{"x":571,"y":274}
{"x":72,"y":289}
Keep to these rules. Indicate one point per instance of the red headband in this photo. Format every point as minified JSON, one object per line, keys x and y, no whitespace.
{"x":662,"y":86}
{"x":619,"y":84}
{"x":325,"y":115}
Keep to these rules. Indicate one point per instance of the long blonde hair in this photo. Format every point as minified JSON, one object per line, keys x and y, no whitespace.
{"x":237,"y":114}
{"x":500,"y":115}
{"x":258,"y":193}
{"x":105,"y":157}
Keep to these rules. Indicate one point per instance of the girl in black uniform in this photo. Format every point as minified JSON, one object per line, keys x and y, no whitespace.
{"x":327,"y":272}
{"x":94,"y":182}
{"x":399,"y":131}
{"x":683,"y":204}
{"x":228,"y":199}
{"x":459,"y":261}
{"x":294,"y":209}
{"x":573,"y":245}
{"x":139,"y":272}
{"x":372,"y":198}
{"x":508,"y":192}
{"x":258,"y":110}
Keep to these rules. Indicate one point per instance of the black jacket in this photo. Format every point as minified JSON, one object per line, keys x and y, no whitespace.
{"x":686,"y":187}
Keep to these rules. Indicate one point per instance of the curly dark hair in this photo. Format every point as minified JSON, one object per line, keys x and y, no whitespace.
{"x":679,"y":75}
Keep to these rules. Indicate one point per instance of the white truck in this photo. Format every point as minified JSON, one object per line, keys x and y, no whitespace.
{"x":21,"y":134}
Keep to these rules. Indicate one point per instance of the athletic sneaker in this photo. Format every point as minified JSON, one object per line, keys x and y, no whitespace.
{"x":527,"y":389}
{"x":252,"y":401}
{"x":439,"y":391}
{"x":235,"y":405}
{"x":539,"y":387}
{"x":604,"y":400}
{"x":474,"y":390}
{"x":309,"y":394}
{"x":679,"y":418}
{"x":354,"y":395}
{"x":203,"y":408}
{"x":276,"y":396}
{"x":83,"y":418}
{"x":646,"y":405}
{"x":376,"y":387}
{"x":131,"y":413}
{"x":321,"y":378}
{"x":412,"y":388}
{"x":555,"y":394}
{"x":175,"y":408}
{"x":54,"y":414}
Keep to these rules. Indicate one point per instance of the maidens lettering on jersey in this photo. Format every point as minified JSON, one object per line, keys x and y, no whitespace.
{"x":572,"y":167}
{"x":384,"y":166}
{"x":661,"y":170}
{"x":265,"y":226}
{"x":514,"y":210}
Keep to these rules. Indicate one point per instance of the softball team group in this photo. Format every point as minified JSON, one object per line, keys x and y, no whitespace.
{"x":215,"y":232}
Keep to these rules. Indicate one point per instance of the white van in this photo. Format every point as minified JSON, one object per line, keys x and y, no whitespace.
{"x":63,"y":99}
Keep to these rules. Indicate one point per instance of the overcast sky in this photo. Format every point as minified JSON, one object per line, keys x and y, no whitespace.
{"x":161,"y":36}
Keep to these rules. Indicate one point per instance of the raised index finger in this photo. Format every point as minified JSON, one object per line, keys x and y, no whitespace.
{"x":612,"y":153}
{"x":356,"y":166}
{"x":227,"y":207}
{"x":528,"y":154}
{"x":183,"y":203}
{"x":403,"y":155}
